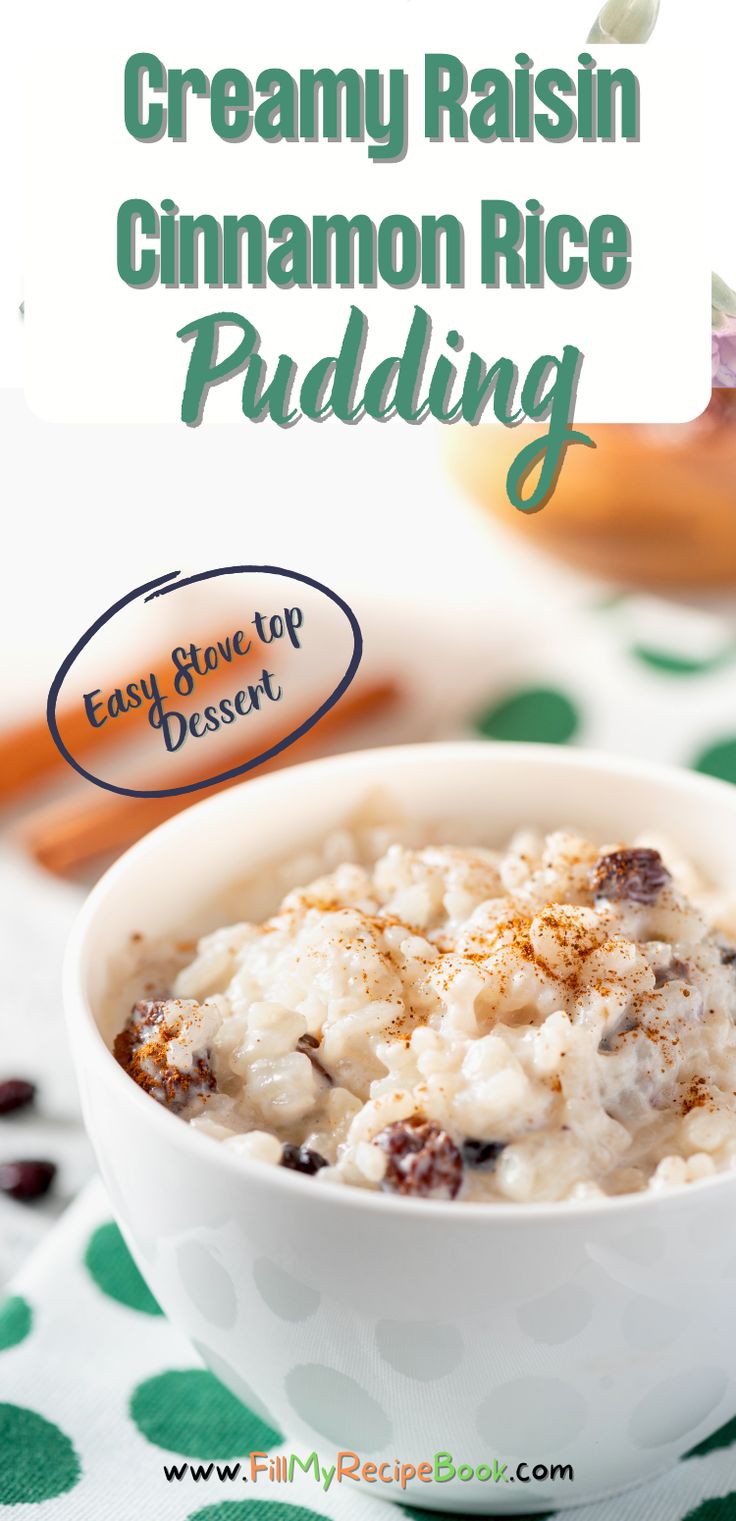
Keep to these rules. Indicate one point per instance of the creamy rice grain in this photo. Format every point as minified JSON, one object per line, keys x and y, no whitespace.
{"x":556,"y":1021}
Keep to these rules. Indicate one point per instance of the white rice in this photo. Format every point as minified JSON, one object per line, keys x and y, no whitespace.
{"x":589,"y":1038}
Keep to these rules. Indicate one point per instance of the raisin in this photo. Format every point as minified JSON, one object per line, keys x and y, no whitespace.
{"x":301,"y":1159}
{"x":482,"y":1155}
{"x":141,"y":1048}
{"x":625,"y":1027}
{"x":15,"y":1093}
{"x":421,"y":1160}
{"x":308,"y":1045}
{"x":677,"y":971}
{"x":630,"y":876}
{"x":26,"y":1180}
{"x":146,"y":1016}
{"x":141,"y":1025}
{"x":728,"y":954}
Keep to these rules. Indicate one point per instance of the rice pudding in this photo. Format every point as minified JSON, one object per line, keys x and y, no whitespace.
{"x":554,"y":1021}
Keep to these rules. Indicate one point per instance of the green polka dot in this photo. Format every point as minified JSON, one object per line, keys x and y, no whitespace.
{"x":16,"y":1317}
{"x":718,"y":760}
{"x":724,"y":1437}
{"x":189,"y":1411}
{"x":723,"y":1509}
{"x":537,"y":715}
{"x":258,"y":1510}
{"x":680,"y":665}
{"x":114,"y":1271}
{"x":38,"y":1460}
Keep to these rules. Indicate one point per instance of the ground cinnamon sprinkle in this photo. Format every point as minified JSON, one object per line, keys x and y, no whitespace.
{"x":142,"y":1049}
{"x":697,"y":1095}
{"x":522,"y":1008}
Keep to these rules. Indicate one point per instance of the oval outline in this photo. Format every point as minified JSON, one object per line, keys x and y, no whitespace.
{"x":163,"y":586}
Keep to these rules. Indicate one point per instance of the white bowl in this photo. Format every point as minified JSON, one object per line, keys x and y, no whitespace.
{"x":598,"y":1335}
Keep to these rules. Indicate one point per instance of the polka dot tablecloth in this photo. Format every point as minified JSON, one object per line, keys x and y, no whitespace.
{"x":98,"y":1392}
{"x":631,"y":674}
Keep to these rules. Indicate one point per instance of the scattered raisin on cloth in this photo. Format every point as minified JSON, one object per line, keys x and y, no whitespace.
{"x":15,"y":1093}
{"x":26,"y":1180}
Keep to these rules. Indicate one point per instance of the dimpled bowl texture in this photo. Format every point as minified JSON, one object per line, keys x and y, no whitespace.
{"x":598,"y":1334}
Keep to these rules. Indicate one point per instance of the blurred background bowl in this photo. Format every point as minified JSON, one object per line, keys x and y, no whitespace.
{"x":652,"y":506}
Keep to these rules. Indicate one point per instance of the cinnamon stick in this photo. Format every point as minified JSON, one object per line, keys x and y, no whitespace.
{"x":29,"y":756}
{"x":67,"y":835}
